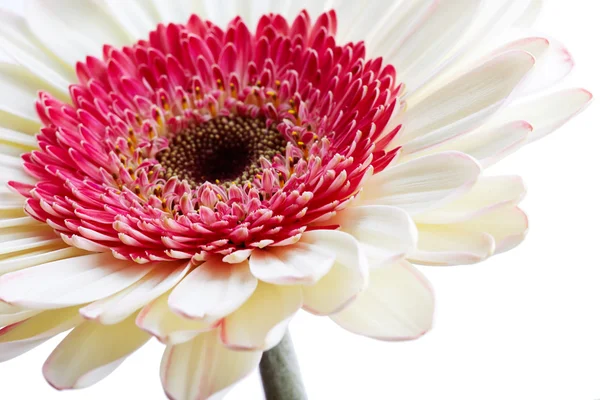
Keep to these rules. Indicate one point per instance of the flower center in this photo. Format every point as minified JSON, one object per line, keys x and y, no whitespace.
{"x":223,"y":150}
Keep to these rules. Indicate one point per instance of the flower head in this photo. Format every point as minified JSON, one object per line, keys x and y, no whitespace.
{"x":202,"y":182}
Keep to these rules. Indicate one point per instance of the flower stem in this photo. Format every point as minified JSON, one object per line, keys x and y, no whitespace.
{"x":280,"y":372}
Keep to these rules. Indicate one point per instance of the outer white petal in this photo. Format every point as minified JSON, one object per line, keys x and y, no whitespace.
{"x":23,"y":336}
{"x":508,"y":226}
{"x":15,"y":143}
{"x":91,"y":352}
{"x":384,"y":232}
{"x":74,"y":29}
{"x":10,"y":314}
{"x":118,"y":307}
{"x":346,"y":279}
{"x":158,"y":320}
{"x":553,"y":61}
{"x":11,"y":169}
{"x":213,"y":290}
{"x":422,"y":184}
{"x":488,"y":144}
{"x":488,"y":194}
{"x":418,"y":55}
{"x":137,"y":17}
{"x":305,"y":262}
{"x":262,"y":321}
{"x":463,"y":104}
{"x":449,"y":245}
{"x":397,"y":305}
{"x":203,"y":368}
{"x":18,"y":92}
{"x":36,"y":257}
{"x":548,"y":112}
{"x":70,"y":281}
{"x":17,"y":40}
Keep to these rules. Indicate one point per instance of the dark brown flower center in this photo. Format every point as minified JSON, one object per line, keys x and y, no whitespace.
{"x":223,"y":150}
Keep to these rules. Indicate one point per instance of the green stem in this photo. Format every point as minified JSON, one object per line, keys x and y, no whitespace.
{"x":280,"y":372}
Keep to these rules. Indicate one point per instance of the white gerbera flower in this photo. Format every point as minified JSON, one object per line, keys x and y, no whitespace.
{"x":198,"y":171}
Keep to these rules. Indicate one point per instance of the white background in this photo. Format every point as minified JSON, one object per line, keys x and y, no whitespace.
{"x":521,"y":326}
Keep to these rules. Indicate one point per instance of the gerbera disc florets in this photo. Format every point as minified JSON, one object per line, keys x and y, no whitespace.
{"x":223,"y":150}
{"x":203,"y":141}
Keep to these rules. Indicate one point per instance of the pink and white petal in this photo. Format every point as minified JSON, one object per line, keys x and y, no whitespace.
{"x":464,"y":104}
{"x":345,"y":280}
{"x":384,"y":232}
{"x":59,"y":26}
{"x":203,"y":368}
{"x":70,"y":281}
{"x":305,"y":262}
{"x":262,"y":321}
{"x":422,"y":184}
{"x":35,"y":257}
{"x":548,"y":112}
{"x":487,"y":144}
{"x":21,"y":45}
{"x":213,"y":290}
{"x":90,"y":352}
{"x":119,"y":306}
{"x":169,"y":328}
{"x":508,"y":226}
{"x":397,"y":305}
{"x":488,"y":194}
{"x":23,"y":336}
{"x":449,"y":245}
{"x":10,"y":314}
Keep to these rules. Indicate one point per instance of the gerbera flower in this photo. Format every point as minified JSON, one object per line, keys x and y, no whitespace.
{"x":199,"y":171}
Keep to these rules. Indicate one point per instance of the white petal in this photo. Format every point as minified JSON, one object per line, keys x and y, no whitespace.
{"x":346,"y":279}
{"x":463,"y":104}
{"x":380,"y":24}
{"x":203,"y":369}
{"x":10,"y":314}
{"x":302,"y":263}
{"x":417,"y":56}
{"x":15,"y":143}
{"x":422,"y":184}
{"x":488,"y":194}
{"x":136,"y":17}
{"x":213,"y":290}
{"x":73,"y":30}
{"x":158,"y":320}
{"x":488,"y":144}
{"x":91,"y":352}
{"x":449,"y":245}
{"x":383,"y":232}
{"x":548,"y":112}
{"x":508,"y":226}
{"x":23,"y":336}
{"x":17,"y":40}
{"x":398,"y":305}
{"x":70,"y":281}
{"x":37,"y":257}
{"x":18,"y":92}
{"x":553,"y":61}
{"x":262,"y":321}
{"x":11,"y":169}
{"x":118,"y":307}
